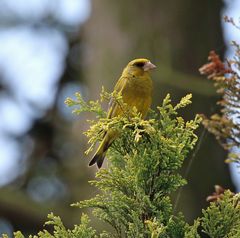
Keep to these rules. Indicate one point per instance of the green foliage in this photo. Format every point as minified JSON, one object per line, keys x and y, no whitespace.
{"x":222,"y":218}
{"x":92,"y":106}
{"x":60,"y":231}
{"x":135,"y":188}
{"x":192,"y":231}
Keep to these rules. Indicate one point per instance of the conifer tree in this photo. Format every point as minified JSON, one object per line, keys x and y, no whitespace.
{"x":142,"y":172}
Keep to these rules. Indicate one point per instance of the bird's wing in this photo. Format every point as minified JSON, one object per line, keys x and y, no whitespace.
{"x":113,"y":107}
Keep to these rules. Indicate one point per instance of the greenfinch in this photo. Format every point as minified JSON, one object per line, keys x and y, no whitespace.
{"x":135,"y":87}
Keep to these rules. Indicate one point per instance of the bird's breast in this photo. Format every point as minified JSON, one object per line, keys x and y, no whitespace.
{"x":139,"y":94}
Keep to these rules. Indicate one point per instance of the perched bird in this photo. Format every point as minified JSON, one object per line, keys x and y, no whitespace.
{"x":135,"y":87}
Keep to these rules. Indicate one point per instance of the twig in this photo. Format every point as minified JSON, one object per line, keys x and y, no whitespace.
{"x":189,"y":166}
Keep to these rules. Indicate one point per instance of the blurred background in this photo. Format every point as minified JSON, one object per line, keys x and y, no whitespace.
{"x":51,"y":49}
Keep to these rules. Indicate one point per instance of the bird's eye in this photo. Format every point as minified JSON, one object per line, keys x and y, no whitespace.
{"x":139,"y":64}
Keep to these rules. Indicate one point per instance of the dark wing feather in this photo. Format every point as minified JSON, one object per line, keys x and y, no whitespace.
{"x":113,"y":106}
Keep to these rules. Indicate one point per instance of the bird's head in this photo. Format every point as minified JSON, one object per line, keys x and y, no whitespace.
{"x":139,"y":66}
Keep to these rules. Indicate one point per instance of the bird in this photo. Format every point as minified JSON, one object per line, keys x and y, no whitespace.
{"x":135,"y":87}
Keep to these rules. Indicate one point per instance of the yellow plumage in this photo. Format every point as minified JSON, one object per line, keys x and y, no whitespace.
{"x":135,"y":86}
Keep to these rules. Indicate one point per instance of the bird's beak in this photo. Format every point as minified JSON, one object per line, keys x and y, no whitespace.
{"x":149,"y":66}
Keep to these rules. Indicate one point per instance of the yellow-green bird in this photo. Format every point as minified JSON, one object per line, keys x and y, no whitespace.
{"x":135,"y":87}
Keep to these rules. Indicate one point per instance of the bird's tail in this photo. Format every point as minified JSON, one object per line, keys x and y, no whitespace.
{"x":99,"y":156}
